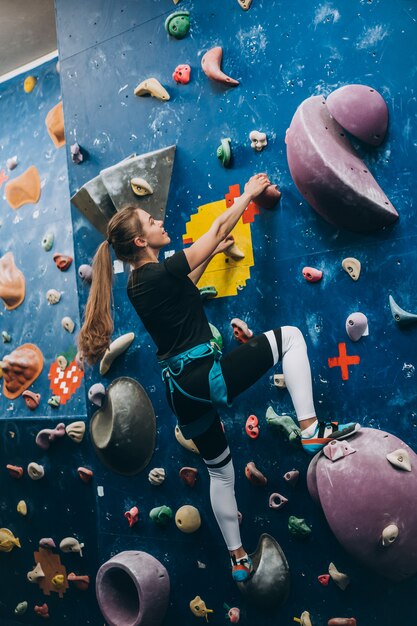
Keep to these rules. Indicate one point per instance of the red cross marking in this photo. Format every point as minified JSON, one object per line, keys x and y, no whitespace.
{"x":343,"y":360}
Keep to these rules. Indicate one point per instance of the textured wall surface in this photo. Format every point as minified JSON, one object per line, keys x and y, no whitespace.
{"x":281,"y":55}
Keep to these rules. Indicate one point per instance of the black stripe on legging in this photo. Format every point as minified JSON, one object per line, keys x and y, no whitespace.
{"x":220,"y":463}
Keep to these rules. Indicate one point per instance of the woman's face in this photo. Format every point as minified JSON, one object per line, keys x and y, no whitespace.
{"x":153,"y":231}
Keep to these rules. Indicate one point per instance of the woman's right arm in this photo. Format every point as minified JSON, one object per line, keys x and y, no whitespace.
{"x":201,"y":250}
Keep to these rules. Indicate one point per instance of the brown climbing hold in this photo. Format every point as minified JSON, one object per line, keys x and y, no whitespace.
{"x":254,"y":475}
{"x":55,"y":125}
{"x":15,"y":471}
{"x":20,"y":368}
{"x":51,"y":565}
{"x":24,"y":189}
{"x":31,"y":399}
{"x":80,"y":582}
{"x":85,"y":474}
{"x":400,"y":458}
{"x":189,"y":475}
{"x":62,"y":261}
{"x":12,"y":282}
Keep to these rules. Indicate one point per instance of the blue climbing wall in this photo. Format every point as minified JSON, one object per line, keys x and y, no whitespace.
{"x":281,"y":55}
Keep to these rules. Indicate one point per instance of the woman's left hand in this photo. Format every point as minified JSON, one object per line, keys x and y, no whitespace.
{"x":224,"y":245}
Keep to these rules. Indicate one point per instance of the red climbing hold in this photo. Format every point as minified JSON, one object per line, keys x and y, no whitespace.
{"x":324,"y":579}
{"x":252,"y":428}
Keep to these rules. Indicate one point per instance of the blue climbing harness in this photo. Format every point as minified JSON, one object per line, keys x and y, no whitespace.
{"x":174,"y":366}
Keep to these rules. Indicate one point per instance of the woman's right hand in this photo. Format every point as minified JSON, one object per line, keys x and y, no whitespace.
{"x":256,"y":185}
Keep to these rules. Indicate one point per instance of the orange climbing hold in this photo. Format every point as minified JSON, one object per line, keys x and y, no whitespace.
{"x":12,"y":283}
{"x":55,"y":125}
{"x":252,"y":428}
{"x":24,"y":189}
{"x":20,"y":368}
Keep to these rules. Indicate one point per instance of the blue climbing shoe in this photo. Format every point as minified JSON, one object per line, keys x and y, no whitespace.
{"x":325,"y":432}
{"x":242,"y":569}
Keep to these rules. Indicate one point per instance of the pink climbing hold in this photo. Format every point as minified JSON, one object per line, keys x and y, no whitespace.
{"x":47,"y":543}
{"x":312,"y":275}
{"x":132,"y":516}
{"x":291,"y":477}
{"x":337,"y":449}
{"x":211,"y":64}
{"x":181,"y":74}
{"x":234,"y":615}
{"x":15,"y":471}
{"x":277,"y":501}
{"x":254,"y":475}
{"x":85,"y":474}
{"x":361,"y":110}
{"x":31,"y":399}
{"x":45,"y":437}
{"x":324,"y":579}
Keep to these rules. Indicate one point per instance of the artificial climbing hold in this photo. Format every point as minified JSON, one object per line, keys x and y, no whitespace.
{"x":389,"y":535}
{"x":245,"y":4}
{"x":21,"y":608}
{"x":29,"y":84}
{"x":341,"y":580}
{"x":5,"y":336}
{"x":31,"y":399}
{"x":352,"y":267}
{"x":58,"y":582}
{"x":304,"y":619}
{"x":188,"y":475}
{"x":224,"y":152}
{"x":35,"y":471}
{"x":279,"y":381}
{"x":68,"y":324}
{"x":298,"y":527}
{"x":252,"y":427}
{"x":233,"y":613}
{"x":156,"y":476}
{"x":47,"y":435}
{"x":342,"y":621}
{"x":285,"y":424}
{"x":62,"y":261}
{"x":277,"y":501}
{"x":24,"y":189}
{"x":12,"y":283}
{"x":400,"y":458}
{"x":140,"y":187}
{"x":269,"y":198}
{"x":80,"y":582}
{"x":85,"y":474}
{"x":217,"y":338}
{"x":77,"y":156}
{"x":161,"y":515}
{"x":8,"y":541}
{"x":62,"y":362}
{"x":324,"y":579}
{"x":241,"y":331}
{"x":20,"y":369}
{"x":85,"y":272}
{"x":115,"y":349}
{"x":152,"y":87}
{"x":54,"y":401}
{"x":54,"y":122}
{"x":371,"y":125}
{"x":12,"y":163}
{"x":254,"y":475}
{"x":401,"y":316}
{"x":312,"y":275}
{"x":207,"y":292}
{"x":42,"y":611}
{"x":356,"y":326}
{"x":36,"y":574}
{"x":132,"y":516}
{"x":211,"y":64}
{"x":188,"y":519}
{"x":181,"y":74}
{"x":53,"y":296}
{"x":292,"y":477}
{"x":15,"y":471}
{"x":178,"y":24}
{"x":22,"y":508}
{"x":97,"y":393}
{"x":199,"y":609}
{"x":47,"y":241}
{"x":258,"y":140}
{"x":47,"y":543}
{"x":234,"y":252}
{"x":337,"y":449}
{"x":70,"y":544}
{"x":186,"y":443}
{"x":75,"y":431}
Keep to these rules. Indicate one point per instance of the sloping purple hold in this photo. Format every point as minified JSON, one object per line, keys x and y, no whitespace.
{"x":356,"y":325}
{"x":362,"y":494}
{"x":133,"y":590}
{"x":361,"y":110}
{"x":329,"y":174}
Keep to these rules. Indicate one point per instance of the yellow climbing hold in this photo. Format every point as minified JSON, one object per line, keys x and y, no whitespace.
{"x":152,"y":87}
{"x":22,"y":508}
{"x":29,"y":84}
{"x":198,"y":607}
{"x":7,"y":540}
{"x":58,"y":581}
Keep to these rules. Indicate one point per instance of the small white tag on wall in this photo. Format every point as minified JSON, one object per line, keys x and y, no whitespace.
{"x":168,"y":253}
{"x":118,"y":267}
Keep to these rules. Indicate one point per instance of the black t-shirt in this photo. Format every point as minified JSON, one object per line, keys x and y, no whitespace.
{"x":169,"y":305}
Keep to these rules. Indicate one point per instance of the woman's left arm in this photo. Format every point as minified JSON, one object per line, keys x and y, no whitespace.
{"x":196,"y":274}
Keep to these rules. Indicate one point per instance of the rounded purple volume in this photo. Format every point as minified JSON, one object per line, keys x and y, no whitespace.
{"x":361,"y":110}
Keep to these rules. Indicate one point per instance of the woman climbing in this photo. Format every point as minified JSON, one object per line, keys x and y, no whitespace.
{"x":198,"y":379}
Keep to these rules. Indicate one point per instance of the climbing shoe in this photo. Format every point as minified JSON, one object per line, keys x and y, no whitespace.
{"x":242,"y":568}
{"x":316,"y":436}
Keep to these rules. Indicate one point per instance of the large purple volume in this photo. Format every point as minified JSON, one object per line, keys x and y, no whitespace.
{"x":329,"y":174}
{"x":133,"y":590}
{"x":362,"y":494}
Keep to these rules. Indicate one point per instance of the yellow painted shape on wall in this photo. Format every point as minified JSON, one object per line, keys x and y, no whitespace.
{"x":225,"y":274}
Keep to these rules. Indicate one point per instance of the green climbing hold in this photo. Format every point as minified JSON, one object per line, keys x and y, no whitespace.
{"x":178,"y":24}
{"x":218,"y":340}
{"x":207,"y":292}
{"x":224,"y":152}
{"x":285,"y":424}
{"x":161,"y":515}
{"x":48,"y":241}
{"x":298,"y":526}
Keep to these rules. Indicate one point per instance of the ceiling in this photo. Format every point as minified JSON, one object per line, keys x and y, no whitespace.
{"x":27,"y":32}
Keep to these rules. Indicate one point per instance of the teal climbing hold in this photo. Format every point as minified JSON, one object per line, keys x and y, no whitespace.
{"x":400,"y":316}
{"x":224,"y":152}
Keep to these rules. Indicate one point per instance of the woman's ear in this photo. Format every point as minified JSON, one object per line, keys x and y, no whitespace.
{"x":140,"y":242}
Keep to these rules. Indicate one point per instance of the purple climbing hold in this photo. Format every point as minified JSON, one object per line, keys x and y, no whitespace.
{"x":330,"y":175}
{"x":133,"y":589}
{"x":337,"y":449}
{"x":356,"y":325}
{"x":361,"y":110}
{"x":85,"y":272}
